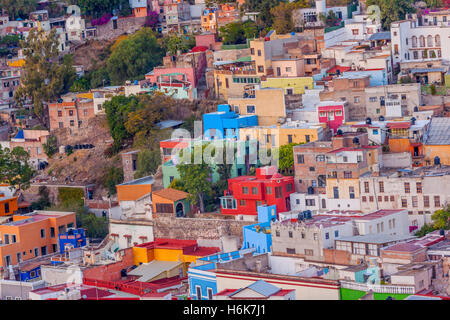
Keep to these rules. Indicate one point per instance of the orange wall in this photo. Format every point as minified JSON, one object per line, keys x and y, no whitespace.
{"x":399,"y":145}
{"x":158,"y":199}
{"x":28,"y":237}
{"x":132,"y":192}
{"x":140,"y":12}
{"x":12,"y":206}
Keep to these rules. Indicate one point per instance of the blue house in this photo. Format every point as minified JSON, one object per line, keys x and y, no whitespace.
{"x":258,"y":235}
{"x":74,"y":237}
{"x":202,"y":279}
{"x":378,"y":77}
{"x":30,"y":272}
{"x":226,"y":123}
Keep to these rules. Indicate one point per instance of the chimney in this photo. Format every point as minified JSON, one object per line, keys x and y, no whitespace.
{"x":258,"y":266}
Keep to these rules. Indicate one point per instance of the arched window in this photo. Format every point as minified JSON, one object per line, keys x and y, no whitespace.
{"x":437,"y":40}
{"x":422,"y":41}
{"x":429,"y":41}
{"x":414,"y":41}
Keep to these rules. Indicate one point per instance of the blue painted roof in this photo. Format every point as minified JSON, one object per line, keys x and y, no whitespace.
{"x":262,"y":287}
{"x":385,"y":35}
{"x":19,"y":135}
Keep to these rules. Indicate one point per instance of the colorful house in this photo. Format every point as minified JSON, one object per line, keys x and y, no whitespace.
{"x":334,"y":114}
{"x":135,"y":189}
{"x":8,"y":204}
{"x":202,"y":279}
{"x":185,"y":251}
{"x":74,"y":238}
{"x":246,"y":193}
{"x":291,"y":85}
{"x":30,"y":272}
{"x":32,"y":235}
{"x":171,"y":201}
{"x":258,"y":235}
{"x":226,"y":123}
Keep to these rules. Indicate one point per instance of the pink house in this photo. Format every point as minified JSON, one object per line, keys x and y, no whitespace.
{"x":333,"y":113}
{"x":288,"y":67}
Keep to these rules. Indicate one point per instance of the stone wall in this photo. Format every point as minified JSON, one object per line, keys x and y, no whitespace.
{"x":197,"y":228}
{"x":125,"y":25}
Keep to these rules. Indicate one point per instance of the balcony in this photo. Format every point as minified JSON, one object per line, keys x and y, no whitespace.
{"x":378,"y":288}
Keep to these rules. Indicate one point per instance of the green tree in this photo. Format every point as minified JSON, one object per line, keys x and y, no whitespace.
{"x":97,"y":8}
{"x":174,"y":43}
{"x":111,"y":178}
{"x":265,"y":18}
{"x":147,"y":163}
{"x":286,"y":158}
{"x":44,"y":76}
{"x":427,"y":228}
{"x":392,"y":10}
{"x":441,"y":218}
{"x":177,"y":184}
{"x":238,"y":32}
{"x":196,"y":179}
{"x":282,"y":18}
{"x":134,"y":57}
{"x":50,"y":147}
{"x":95,"y":227}
{"x":117,"y":110}
{"x":14,"y":167}
{"x":18,"y":8}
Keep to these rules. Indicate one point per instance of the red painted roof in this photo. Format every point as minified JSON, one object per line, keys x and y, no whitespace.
{"x":199,"y":49}
{"x":399,"y":125}
{"x":337,"y":67}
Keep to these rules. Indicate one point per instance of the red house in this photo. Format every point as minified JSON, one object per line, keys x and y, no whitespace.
{"x":245,"y":193}
{"x":332,"y":113}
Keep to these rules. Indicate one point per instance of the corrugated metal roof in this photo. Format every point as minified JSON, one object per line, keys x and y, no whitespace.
{"x":150,"y":270}
{"x":381,"y":36}
{"x":264,"y":288}
{"x":439,"y":132}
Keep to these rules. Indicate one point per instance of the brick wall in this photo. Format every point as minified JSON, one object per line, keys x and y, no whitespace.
{"x":110,"y":272}
{"x":125,"y":25}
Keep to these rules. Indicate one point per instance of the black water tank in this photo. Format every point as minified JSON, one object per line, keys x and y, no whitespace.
{"x":339,"y":132}
{"x":381,"y":118}
{"x":442,"y":232}
{"x":356,"y":140}
{"x":368,"y":121}
{"x":413,"y":121}
{"x":416,"y":109}
{"x":437,"y":160}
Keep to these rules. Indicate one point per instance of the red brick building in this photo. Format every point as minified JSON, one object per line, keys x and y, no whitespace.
{"x":245,"y":193}
{"x":70,"y":114}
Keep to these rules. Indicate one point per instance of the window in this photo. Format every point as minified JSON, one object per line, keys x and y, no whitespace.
{"x":254,"y":190}
{"x":371,"y":198}
{"x":356,"y":100}
{"x":380,"y":199}
{"x":289,"y":187}
{"x":277,"y":233}
{"x":344,"y":246}
{"x":366,"y":186}
{"x":373,"y":99}
{"x":364,"y":199}
{"x":386,"y":198}
{"x":245,"y":190}
{"x":312,"y":169}
{"x":347,"y":174}
{"x":250,"y":109}
{"x":300,"y":158}
{"x":259,"y":53}
{"x":289,"y":138}
{"x":381,"y":186}
{"x":198,"y":291}
{"x":6,"y":237}
{"x":19,"y":257}
{"x":355,"y":32}
{"x":260,"y":69}
{"x":278,"y":192}
{"x":60,"y":125}
{"x":72,"y":123}
{"x":426,"y":201}
{"x":345,"y":159}
{"x":268,"y":190}
{"x":437,"y":202}
{"x":210,"y":294}
{"x":336,"y":233}
{"x":242,"y":203}
{"x":6,"y":207}
{"x":290,"y":234}
{"x":336,"y":192}
{"x":414,"y":201}
{"x":252,"y":51}
{"x":404,"y":203}
{"x":36,"y":252}
{"x":407,"y":190}
{"x":392,"y":198}
{"x":372,"y":250}
{"x":419,"y":187}
{"x":70,"y":112}
{"x":320,"y":158}
{"x":59,"y":113}
{"x":310,"y":202}
{"x":351,"y":191}
{"x":359,"y":248}
{"x":13,"y":238}
{"x":52,"y":232}
{"x":309,"y":252}
{"x":42,"y":233}
{"x":290,"y":250}
{"x":327,"y":236}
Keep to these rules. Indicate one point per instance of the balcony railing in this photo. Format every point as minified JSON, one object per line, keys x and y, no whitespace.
{"x":398,"y":289}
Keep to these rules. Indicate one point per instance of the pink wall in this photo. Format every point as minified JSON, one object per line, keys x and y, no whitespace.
{"x":332,"y":117}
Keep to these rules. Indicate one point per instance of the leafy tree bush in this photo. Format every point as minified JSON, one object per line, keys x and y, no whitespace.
{"x":14,"y":167}
{"x":147,"y":163}
{"x":50,"y":147}
{"x":111,"y":178}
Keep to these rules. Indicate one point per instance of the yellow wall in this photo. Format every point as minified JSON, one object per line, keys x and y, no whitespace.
{"x":12,"y":206}
{"x":281,"y":135}
{"x":298,"y":84}
{"x":259,"y":60}
{"x":145,"y":255}
{"x":142,"y":255}
{"x":442,"y":151}
{"x":343,"y":185}
{"x":269,"y":105}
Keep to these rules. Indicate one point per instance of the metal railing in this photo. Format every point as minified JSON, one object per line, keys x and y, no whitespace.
{"x":398,"y":289}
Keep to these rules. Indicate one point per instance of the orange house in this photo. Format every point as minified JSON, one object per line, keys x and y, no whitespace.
{"x":133,"y":190}
{"x":171,"y":201}
{"x":8,"y":205}
{"x":32,"y":235}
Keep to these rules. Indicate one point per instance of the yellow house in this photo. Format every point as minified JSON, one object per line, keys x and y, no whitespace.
{"x":295,"y":85}
{"x":268,"y":104}
{"x":279,"y":135}
{"x":185,"y":251}
{"x":232,"y":84}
